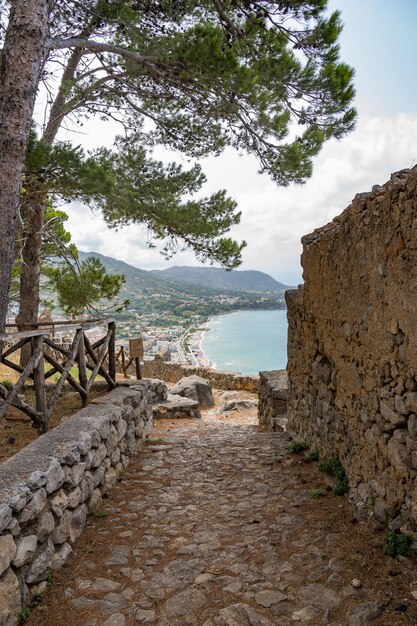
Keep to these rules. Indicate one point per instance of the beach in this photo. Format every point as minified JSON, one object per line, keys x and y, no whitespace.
{"x":246,"y":341}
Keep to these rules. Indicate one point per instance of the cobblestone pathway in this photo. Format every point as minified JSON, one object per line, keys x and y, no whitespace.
{"x":215,"y":524}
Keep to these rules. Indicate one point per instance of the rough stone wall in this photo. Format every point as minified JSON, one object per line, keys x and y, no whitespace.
{"x":47,"y":488}
{"x":273,"y":394}
{"x":352,"y":349}
{"x":173,"y":372}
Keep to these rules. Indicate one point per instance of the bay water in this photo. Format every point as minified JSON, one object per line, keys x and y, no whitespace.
{"x":247,"y":341}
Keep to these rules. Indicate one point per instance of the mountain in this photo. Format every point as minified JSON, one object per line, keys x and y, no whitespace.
{"x":215,"y":278}
{"x":167,"y":297}
{"x":249,"y":281}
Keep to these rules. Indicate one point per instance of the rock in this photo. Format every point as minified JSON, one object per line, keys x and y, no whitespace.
{"x":19,"y":500}
{"x":26,"y":548}
{"x":119,"y":556}
{"x":196,"y":388}
{"x":238,"y":405}
{"x":356,"y":583}
{"x":62,"y":529}
{"x":411,"y":401}
{"x":45,"y":526}
{"x":55,"y":476}
{"x":38,"y":590}
{"x":242,"y":615}
{"x":118,"y":619}
{"x":10,"y":601}
{"x":394,"y":418}
{"x":104,"y":584}
{"x":360,"y":615}
{"x":78,"y":520}
{"x":268,"y":597}
{"x":7,"y":552}
{"x":33,"y":507}
{"x":37,"y":480}
{"x":78,"y":472}
{"x":175,"y":407}
{"x":61,"y":556}
{"x":145,"y":616}
{"x":59,"y":502}
{"x":303,"y":615}
{"x":41,"y":566}
{"x":84,"y":442}
{"x":74,"y":498}
{"x":318,"y":595}
{"x":112,"y":602}
{"x":203,"y":578}
{"x":5,"y":517}
{"x":184,"y":602}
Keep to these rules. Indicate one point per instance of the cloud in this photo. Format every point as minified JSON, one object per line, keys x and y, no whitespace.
{"x":273,"y":219}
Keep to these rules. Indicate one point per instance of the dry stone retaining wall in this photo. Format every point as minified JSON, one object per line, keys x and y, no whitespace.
{"x":352,"y":353}
{"x":273,"y":394}
{"x":47,"y":488}
{"x":173,"y":372}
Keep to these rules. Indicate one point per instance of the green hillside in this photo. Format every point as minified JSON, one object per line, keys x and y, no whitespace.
{"x":169,"y":300}
{"x":236,"y":280}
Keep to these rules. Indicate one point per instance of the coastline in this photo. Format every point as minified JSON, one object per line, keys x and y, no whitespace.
{"x":199,"y":358}
{"x":196,"y":344}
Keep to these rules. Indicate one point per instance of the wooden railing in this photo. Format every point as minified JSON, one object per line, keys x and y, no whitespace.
{"x":125,"y":360}
{"x":96,"y":358}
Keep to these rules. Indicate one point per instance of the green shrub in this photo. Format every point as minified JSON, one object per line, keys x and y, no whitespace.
{"x":396,"y":543}
{"x":7,"y":384}
{"x":319,"y":492}
{"x":297,"y":446}
{"x":23,"y":615}
{"x":313,"y":456}
{"x":334,"y":467}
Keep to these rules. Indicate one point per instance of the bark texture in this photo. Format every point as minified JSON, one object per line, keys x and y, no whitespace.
{"x":20,"y":68}
{"x":34,"y":211}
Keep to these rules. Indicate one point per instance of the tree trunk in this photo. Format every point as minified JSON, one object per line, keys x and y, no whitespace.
{"x":35,"y":202}
{"x":34,"y":209}
{"x":20,"y":67}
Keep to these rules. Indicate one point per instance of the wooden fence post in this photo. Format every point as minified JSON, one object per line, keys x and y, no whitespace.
{"x":82,"y":368}
{"x":112,"y":351}
{"x":39,"y":382}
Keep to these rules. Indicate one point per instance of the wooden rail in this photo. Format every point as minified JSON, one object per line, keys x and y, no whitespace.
{"x":125,"y":360}
{"x":98,"y":358}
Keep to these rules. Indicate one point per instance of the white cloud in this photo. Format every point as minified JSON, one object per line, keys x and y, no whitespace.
{"x":273,"y":220}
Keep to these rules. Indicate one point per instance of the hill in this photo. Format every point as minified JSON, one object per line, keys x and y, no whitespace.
{"x":235,"y":280}
{"x":203,"y":277}
{"x":161,"y":298}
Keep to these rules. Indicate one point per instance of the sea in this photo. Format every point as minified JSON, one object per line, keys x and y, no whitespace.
{"x":247,"y":341}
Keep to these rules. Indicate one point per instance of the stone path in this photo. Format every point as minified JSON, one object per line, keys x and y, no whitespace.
{"x":215,"y":524}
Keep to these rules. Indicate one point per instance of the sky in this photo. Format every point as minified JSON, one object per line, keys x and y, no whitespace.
{"x":379,"y":41}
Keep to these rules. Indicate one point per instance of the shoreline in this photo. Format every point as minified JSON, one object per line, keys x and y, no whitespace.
{"x":196,"y":339}
{"x":196,"y":342}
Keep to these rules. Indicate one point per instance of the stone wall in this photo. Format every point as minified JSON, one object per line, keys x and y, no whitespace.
{"x":173,"y":372}
{"x":273,"y":394}
{"x":352,"y":353}
{"x":47,"y":488}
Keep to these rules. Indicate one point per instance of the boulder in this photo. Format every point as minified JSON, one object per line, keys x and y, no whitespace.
{"x":176,"y":407}
{"x":195,"y":388}
{"x":239,"y":405}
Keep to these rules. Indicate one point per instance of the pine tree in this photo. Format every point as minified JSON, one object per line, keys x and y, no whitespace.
{"x":199,"y":75}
